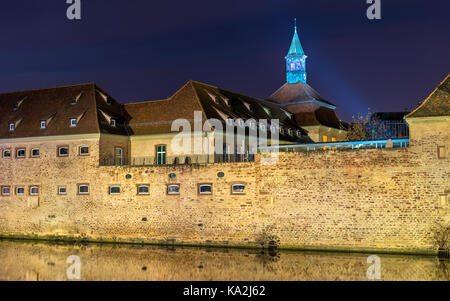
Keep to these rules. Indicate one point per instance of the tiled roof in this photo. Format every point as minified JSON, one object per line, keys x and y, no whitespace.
{"x":298,"y":93}
{"x":437,"y":104}
{"x":94,"y":108}
{"x":155,"y":117}
{"x":321,"y":116}
{"x":26,"y":109}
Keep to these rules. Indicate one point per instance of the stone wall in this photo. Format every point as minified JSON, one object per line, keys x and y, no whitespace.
{"x":379,"y":199}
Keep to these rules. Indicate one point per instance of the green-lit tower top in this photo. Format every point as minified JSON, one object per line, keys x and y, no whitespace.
{"x":296,"y":61}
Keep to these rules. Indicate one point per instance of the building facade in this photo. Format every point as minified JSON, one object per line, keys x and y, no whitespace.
{"x":57,"y":183}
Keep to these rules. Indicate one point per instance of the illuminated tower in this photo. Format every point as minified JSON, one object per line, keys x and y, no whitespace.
{"x":296,"y":61}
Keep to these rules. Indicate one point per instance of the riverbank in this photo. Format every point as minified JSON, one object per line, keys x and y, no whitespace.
{"x":247,"y":246}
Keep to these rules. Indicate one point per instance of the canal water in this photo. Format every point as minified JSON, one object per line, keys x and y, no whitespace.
{"x":37,"y":261}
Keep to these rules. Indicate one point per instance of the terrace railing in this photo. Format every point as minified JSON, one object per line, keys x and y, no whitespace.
{"x":394,"y":143}
{"x":177,"y":160}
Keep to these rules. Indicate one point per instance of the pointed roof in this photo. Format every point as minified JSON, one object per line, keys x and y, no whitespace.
{"x":155,"y":117}
{"x":54,"y":105}
{"x":437,"y":104}
{"x":296,"y":47}
{"x":298,"y":93}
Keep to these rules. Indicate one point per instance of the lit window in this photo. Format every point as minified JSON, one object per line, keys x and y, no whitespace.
{"x":34,"y":190}
{"x":20,"y":153}
{"x":290,"y":132}
{"x":12,"y":127}
{"x":6,"y":153}
{"x":441,"y":152}
{"x":143,"y":189}
{"x":114,"y":189}
{"x":205,"y":189}
{"x":325,"y":139}
{"x":35,"y":152}
{"x":43,"y":124}
{"x":20,"y":190}
{"x":238,"y":189}
{"x":6,"y":190}
{"x":83,"y":189}
{"x":113,"y":122}
{"x":62,"y":190}
{"x":333,"y":139}
{"x":173,"y":189}
{"x":298,"y":133}
{"x":73,"y":122}
{"x":161,"y":154}
{"x":84,"y":150}
{"x":63,"y":151}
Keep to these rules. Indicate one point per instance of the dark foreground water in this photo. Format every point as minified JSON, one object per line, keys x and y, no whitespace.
{"x":31,"y":261}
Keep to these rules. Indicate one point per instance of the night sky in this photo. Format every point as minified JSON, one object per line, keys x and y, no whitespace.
{"x":143,"y":50}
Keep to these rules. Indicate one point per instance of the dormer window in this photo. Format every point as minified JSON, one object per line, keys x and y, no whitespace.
{"x":287,"y":113}
{"x":247,"y":105}
{"x":113,"y":122}
{"x":17,"y":105}
{"x":105,"y":97}
{"x":43,"y":124}
{"x":75,"y":99}
{"x":213,"y":97}
{"x":73,"y":122}
{"x":12,"y":127}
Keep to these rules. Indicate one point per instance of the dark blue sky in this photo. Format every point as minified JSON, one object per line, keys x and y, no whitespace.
{"x":142,"y":50}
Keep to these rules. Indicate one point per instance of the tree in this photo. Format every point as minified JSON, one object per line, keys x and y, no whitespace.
{"x":365,"y":127}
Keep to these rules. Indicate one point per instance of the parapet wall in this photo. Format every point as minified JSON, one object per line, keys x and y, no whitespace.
{"x":376,"y":199}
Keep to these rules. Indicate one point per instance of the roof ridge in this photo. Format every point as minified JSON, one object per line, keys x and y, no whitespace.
{"x":144,"y":101}
{"x":197,"y":97}
{"x":49,"y":88}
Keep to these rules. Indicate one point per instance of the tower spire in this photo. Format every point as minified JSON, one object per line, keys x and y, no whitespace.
{"x":296,"y":60}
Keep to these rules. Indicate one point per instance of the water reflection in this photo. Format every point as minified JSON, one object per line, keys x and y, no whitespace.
{"x":31,"y":261}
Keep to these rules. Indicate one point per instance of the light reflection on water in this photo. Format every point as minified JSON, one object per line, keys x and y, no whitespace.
{"x":32,"y":261}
